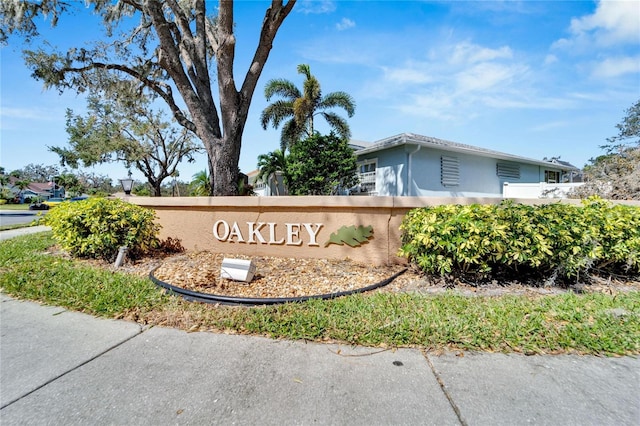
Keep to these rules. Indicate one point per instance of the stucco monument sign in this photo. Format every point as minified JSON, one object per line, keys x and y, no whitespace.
{"x":364,"y":229}
{"x":358,"y":228}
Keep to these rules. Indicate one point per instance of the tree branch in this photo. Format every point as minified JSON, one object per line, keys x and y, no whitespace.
{"x":199,"y":101}
{"x":274,"y":16}
{"x":161,"y":89}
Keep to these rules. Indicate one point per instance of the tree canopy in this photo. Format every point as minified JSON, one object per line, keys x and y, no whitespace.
{"x":628,"y":130}
{"x":616,"y":174}
{"x":297,"y":109}
{"x":36,"y":172}
{"x":321,"y":165}
{"x":164,"y":47}
{"x":125,"y":128}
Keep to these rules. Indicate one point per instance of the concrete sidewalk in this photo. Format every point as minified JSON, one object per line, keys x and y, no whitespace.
{"x":12,"y":233}
{"x":60,"y":367}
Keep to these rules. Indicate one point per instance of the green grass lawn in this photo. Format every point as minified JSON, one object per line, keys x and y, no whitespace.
{"x":14,"y":207}
{"x":589,"y":324}
{"x":16,"y":226}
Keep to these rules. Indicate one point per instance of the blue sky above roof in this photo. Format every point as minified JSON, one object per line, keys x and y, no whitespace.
{"x":529,"y":78}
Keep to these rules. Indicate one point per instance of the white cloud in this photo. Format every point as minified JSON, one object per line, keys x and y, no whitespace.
{"x":345,"y":24}
{"x":589,"y":97}
{"x":407,"y":75}
{"x":28,"y":119}
{"x":316,"y":6}
{"x":486,"y":76}
{"x":438,"y":104}
{"x":27,"y":113}
{"x":612,"y":23}
{"x":469,"y":53}
{"x":522,"y":98}
{"x":614,"y":67}
{"x":471,"y":67}
{"x":456,"y":81}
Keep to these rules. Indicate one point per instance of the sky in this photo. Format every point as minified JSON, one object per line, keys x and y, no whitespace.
{"x":530,"y":78}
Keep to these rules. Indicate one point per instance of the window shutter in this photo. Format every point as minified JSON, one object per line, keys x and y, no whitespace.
{"x":450,"y":171}
{"x":507,"y":170}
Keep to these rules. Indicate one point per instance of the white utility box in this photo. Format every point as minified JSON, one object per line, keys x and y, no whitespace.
{"x":237,"y":269}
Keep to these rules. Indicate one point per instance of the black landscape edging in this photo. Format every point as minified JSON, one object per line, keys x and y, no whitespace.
{"x":195,"y":296}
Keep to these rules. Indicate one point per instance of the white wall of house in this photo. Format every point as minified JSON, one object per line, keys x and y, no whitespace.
{"x":538,"y":190}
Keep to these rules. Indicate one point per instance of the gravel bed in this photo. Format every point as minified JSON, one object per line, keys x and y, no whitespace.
{"x":290,"y":277}
{"x":274,"y":278}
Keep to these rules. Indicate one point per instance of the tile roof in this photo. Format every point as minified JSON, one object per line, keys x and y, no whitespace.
{"x":431,"y":142}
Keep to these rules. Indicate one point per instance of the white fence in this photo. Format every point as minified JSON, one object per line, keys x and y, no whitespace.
{"x":538,"y":190}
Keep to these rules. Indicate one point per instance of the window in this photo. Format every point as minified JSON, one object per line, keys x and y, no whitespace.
{"x":368,"y":166}
{"x":367,"y":175}
{"x":449,"y":171}
{"x":508,"y":170}
{"x":551,"y":176}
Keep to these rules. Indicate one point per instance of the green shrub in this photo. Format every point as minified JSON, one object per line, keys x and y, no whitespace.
{"x":561,"y":239}
{"x":98,"y":227}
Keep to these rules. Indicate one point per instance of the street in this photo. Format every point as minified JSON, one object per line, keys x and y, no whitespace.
{"x":18,"y":217}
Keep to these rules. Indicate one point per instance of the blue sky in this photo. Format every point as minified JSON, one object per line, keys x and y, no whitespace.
{"x":531,"y":78}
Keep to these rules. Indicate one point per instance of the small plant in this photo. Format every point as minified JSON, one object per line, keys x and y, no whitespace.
{"x":171,"y":245}
{"x":98,"y":227}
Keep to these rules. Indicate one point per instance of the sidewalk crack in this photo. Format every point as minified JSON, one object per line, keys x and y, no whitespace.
{"x":59,"y":376}
{"x":444,"y":389}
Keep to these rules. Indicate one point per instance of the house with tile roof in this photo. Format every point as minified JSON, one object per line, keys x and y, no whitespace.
{"x":416,"y":165}
{"x":35,"y":190}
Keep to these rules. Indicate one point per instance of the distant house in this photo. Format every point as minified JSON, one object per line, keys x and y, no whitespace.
{"x":43,"y":190}
{"x":415,"y":165}
{"x":35,"y":190}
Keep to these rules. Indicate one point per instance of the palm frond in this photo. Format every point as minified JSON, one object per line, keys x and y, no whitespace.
{"x":312,"y":91}
{"x":305,"y":70}
{"x":339,"y":100}
{"x":276,"y":112}
{"x":338,"y":124}
{"x":283,"y":88}
{"x":292,"y":132}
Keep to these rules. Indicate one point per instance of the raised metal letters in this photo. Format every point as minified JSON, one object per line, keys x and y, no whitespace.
{"x":296,"y":234}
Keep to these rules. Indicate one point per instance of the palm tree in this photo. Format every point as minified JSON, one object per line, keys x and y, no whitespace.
{"x":300,"y":108}
{"x":269,"y":165}
{"x":175,"y":189}
{"x":5,"y":193}
{"x":22,"y":184}
{"x":69,"y":183}
{"x":200,"y":185}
